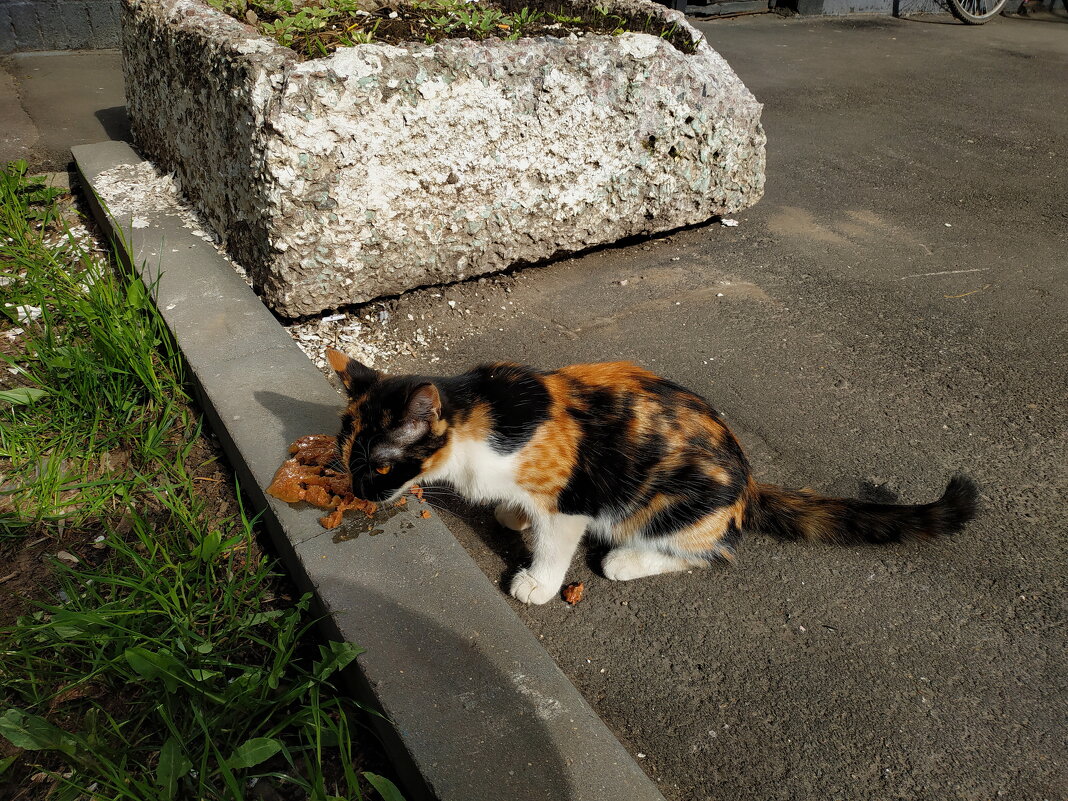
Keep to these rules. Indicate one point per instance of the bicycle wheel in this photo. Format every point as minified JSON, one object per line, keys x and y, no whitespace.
{"x":976,"y":12}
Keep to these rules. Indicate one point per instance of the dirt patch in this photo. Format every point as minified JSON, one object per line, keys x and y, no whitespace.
{"x":319,"y":27}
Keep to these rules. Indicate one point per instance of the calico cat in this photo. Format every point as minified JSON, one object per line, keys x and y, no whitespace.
{"x":611,"y":450}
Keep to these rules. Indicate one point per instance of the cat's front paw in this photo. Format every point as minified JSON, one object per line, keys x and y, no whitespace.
{"x":525,"y":588}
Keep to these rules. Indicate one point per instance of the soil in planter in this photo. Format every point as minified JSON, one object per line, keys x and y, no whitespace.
{"x":317,"y":28}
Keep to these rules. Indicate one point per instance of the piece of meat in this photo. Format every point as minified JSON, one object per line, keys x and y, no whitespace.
{"x":332,"y":520}
{"x":317,"y":496}
{"x":572,"y":593}
{"x":316,"y":449}
{"x":307,"y":476}
{"x":289,"y":481}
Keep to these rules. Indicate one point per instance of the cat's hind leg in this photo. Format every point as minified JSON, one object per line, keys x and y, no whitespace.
{"x":711,"y":539}
{"x":511,"y":518}
{"x":555,"y":538}
{"x":631,"y":562}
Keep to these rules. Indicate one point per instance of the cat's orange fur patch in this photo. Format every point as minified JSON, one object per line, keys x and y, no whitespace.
{"x":338,"y":360}
{"x":353,"y":413}
{"x":475,"y":426}
{"x":704,"y":536}
{"x":549,"y":458}
{"x":618,"y":375}
{"x":640,"y":519}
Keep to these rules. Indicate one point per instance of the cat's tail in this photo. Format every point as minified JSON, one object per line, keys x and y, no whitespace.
{"x":803,"y":515}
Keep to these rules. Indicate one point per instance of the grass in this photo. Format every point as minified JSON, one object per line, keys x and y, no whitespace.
{"x":166,"y":661}
{"x":96,"y":375}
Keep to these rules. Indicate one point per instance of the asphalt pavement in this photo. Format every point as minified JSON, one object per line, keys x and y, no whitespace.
{"x":51,"y":101}
{"x":892,"y":312}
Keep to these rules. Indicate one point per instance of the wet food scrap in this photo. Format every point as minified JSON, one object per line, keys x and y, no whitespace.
{"x":572,"y":593}
{"x":309,"y":475}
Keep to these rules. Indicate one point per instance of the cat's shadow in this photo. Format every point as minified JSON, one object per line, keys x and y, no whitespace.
{"x":301,"y":417}
{"x":476,"y":526}
{"x":448,"y":649}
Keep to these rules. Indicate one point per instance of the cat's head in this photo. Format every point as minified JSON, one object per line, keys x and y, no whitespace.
{"x":390,"y":430}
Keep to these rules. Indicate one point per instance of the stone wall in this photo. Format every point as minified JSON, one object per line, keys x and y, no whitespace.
{"x":895,"y":8}
{"x":382,"y":168}
{"x":58,"y":24}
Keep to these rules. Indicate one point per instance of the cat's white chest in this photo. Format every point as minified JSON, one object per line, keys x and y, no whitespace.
{"x":480,"y":474}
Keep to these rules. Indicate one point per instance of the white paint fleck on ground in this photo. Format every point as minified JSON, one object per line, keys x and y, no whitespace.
{"x":367,"y":332}
{"x":364,"y":333}
{"x":545,"y":708}
{"x":140,"y":190}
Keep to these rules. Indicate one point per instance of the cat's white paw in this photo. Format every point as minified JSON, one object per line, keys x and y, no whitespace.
{"x":623,"y":565}
{"x":525,"y":588}
{"x":511,"y":518}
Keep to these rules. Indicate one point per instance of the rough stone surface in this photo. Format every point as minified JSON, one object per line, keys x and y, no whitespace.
{"x":382,"y":168}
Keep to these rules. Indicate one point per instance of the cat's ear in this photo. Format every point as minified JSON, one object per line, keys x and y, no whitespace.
{"x":422,"y":414}
{"x":424,"y":404}
{"x":356,"y":377}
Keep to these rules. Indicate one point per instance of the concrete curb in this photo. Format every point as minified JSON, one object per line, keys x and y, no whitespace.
{"x":480,"y":710}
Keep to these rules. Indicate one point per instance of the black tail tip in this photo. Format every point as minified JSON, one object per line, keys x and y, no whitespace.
{"x":958,"y":503}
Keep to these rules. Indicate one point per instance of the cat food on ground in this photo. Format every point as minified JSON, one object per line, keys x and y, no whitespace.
{"x":309,"y":476}
{"x":425,"y":513}
{"x":572,"y":593}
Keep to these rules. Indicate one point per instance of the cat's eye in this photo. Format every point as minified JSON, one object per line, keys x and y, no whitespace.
{"x":383,"y":469}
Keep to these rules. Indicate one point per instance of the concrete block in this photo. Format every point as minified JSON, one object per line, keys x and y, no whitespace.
{"x":382,"y":168}
{"x":77,"y":29}
{"x":7,"y":30}
{"x":103,"y":23}
{"x":51,"y":26}
{"x":27,"y":26}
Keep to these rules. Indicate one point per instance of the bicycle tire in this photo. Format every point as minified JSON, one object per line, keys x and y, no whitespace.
{"x":976,"y":12}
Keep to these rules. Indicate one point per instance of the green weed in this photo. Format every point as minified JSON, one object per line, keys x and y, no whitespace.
{"x":565,"y":19}
{"x":314,"y":29}
{"x":95,"y":374}
{"x":214,"y":695}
